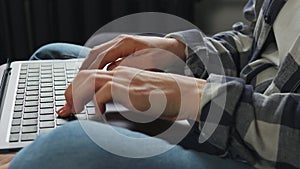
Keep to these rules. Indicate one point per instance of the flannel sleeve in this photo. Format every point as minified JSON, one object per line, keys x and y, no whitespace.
{"x":264,"y":130}
{"x":224,"y":53}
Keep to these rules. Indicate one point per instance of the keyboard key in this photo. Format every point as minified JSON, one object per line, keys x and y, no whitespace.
{"x":22,"y":81}
{"x":90,"y":104}
{"x":28,"y":137}
{"x":46,"y":85}
{"x":70,"y":66}
{"x":45,"y":76}
{"x":21,"y":86}
{"x":59,"y":74}
{"x":19,"y":102}
{"x":29,"y":129}
{"x":58,"y":66}
{"x":47,"y":117}
{"x":22,"y":76}
{"x":14,"y":138}
{"x":60,"y":87}
{"x":46,"y":111}
{"x":20,"y":96}
{"x":46,"y":72}
{"x":46,"y":90}
{"x":32,"y":98}
{"x":47,"y":124}
{"x":23,"y":72}
{"x":59,"y":79}
{"x":60,"y":83}
{"x":72,"y":72}
{"x":82,"y":112}
{"x":47,"y":100}
{"x":59,"y":71}
{"x":81,"y":116}
{"x":16,"y":122}
{"x":46,"y":105}
{"x":30,"y":109}
{"x":20,"y":91}
{"x":33,"y":74}
{"x":59,"y":98}
{"x":91,"y":111}
{"x":32,"y":88}
{"x":93,"y":117}
{"x":59,"y":92}
{"x":17,"y":115}
{"x":35,"y":70}
{"x":18,"y":108}
{"x":32,"y":93}
{"x":57,"y":108}
{"x":34,"y":65}
{"x":45,"y":131}
{"x":48,"y":94}
{"x":30,"y":115}
{"x":60,"y":103}
{"x":70,"y":80}
{"x":31,"y":122}
{"x":46,"y":68}
{"x":33,"y":83}
{"x":69,"y":76}
{"x":44,"y":65}
{"x":31,"y":103}
{"x":46,"y":80}
{"x":60,"y":122}
{"x":33,"y":79}
{"x":15,"y":129}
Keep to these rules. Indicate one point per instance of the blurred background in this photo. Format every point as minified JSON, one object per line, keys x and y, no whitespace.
{"x":25,"y":25}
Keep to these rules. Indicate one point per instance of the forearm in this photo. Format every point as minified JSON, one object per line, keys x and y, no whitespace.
{"x":230,"y":50}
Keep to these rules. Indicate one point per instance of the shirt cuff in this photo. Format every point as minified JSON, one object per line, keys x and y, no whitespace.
{"x":221,"y":96}
{"x":196,"y":47}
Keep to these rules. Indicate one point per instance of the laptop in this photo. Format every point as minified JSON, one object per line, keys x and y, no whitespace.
{"x":31,"y":93}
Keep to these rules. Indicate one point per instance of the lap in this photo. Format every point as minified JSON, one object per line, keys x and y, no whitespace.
{"x":71,"y":147}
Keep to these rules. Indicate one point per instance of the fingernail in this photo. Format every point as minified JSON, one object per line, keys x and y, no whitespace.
{"x":61,"y":110}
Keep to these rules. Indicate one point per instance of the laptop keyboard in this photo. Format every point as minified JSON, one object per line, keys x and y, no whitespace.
{"x":40,"y":94}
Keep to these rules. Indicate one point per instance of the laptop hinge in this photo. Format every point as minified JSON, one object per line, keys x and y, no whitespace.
{"x":4,"y":83}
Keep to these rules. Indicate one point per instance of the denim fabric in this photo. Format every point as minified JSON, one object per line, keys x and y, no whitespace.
{"x":70,"y":147}
{"x":60,"y":51}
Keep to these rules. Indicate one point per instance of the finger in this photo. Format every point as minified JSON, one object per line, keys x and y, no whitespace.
{"x":94,"y":53}
{"x":86,"y":90}
{"x":82,"y":90}
{"x":113,"y":65}
{"x":65,"y":111}
{"x":111,"y":91}
{"x":121,"y":49}
{"x":101,"y":97}
{"x":146,"y":59}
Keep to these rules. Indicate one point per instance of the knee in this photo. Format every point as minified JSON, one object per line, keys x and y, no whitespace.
{"x":50,"y":148}
{"x":49,"y":47}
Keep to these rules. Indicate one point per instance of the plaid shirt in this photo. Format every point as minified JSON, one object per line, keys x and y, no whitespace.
{"x":250,"y":107}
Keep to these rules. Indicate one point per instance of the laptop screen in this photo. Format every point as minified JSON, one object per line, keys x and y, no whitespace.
{"x":4,"y":72}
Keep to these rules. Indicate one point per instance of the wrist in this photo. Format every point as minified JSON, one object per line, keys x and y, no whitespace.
{"x":201,"y":83}
{"x":177,"y":47}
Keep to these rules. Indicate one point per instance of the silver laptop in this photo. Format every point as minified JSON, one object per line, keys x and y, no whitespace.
{"x":31,"y":92}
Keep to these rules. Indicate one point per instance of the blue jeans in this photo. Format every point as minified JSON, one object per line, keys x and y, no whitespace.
{"x":71,"y":147}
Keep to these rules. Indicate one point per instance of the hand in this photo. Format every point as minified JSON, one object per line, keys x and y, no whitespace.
{"x":5,"y":159}
{"x":146,"y":52}
{"x":147,"y":92}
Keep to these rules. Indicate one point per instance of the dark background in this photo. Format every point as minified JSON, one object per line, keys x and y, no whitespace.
{"x":25,"y":25}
